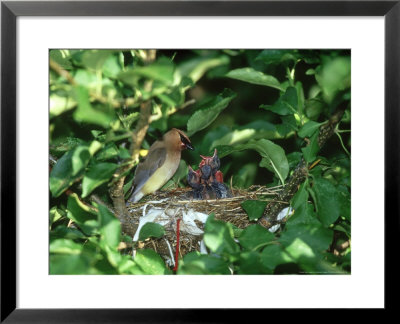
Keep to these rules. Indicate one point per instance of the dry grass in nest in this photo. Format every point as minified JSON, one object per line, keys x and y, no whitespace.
{"x":227,"y":210}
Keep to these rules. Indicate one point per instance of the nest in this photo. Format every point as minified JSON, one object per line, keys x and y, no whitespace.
{"x":176,"y":204}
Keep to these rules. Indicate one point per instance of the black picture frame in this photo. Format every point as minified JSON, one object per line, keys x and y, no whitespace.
{"x":10,"y":10}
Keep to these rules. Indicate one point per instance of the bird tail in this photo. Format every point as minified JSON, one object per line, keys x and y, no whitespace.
{"x":136,"y":196}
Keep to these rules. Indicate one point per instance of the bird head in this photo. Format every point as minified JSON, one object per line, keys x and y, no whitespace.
{"x":205,"y":172}
{"x":178,"y":139}
{"x":193,"y":178}
{"x":212,"y":161}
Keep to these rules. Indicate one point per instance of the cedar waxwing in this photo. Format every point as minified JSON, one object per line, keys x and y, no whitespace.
{"x":160,"y":164}
{"x":193,"y":180}
{"x":206,"y":182}
{"x":207,"y":192}
{"x":205,"y":172}
{"x":215,"y":177}
{"x":214,"y":163}
{"x":220,"y":189}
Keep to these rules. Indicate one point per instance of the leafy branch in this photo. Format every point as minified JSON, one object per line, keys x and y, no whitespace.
{"x":138,"y":135}
{"x":299,"y":174}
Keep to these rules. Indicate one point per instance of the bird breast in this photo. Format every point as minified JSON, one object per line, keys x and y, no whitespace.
{"x":162,"y":174}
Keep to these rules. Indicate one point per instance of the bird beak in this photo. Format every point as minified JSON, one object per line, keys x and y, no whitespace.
{"x":189,"y":146}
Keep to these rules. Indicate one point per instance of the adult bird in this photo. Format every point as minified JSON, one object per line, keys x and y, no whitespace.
{"x":160,"y":164}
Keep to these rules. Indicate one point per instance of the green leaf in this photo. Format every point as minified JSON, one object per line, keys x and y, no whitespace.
{"x":151,"y":230}
{"x":65,"y":144}
{"x":111,"y":67}
{"x":300,"y":97}
{"x":245,"y":176}
{"x":113,"y":256}
{"x":313,"y":108}
{"x":128,"y":266}
{"x":97,"y":175}
{"x":255,"y":130}
{"x":343,"y":227}
{"x":311,"y":150}
{"x":68,"y":169}
{"x":218,"y":237}
{"x":196,"y":263}
{"x":61,"y":57}
{"x":345,"y":201}
{"x":110,"y":151}
{"x":65,"y":246}
{"x":254,"y":77}
{"x":81,"y":215}
{"x":310,"y":72}
{"x":209,"y":111}
{"x":55,"y":214}
{"x":254,"y":208}
{"x":255,"y":237}
{"x":328,"y":201}
{"x":95,"y":59}
{"x":303,"y":214}
{"x":87,"y":79}
{"x":277,"y":56}
{"x":274,"y":255}
{"x":80,"y":159}
{"x":60,"y":104}
{"x":196,"y":67}
{"x":250,"y":263}
{"x":124,"y":153}
{"x":334,"y":75}
{"x":150,"y":262}
{"x":294,"y":159}
{"x":162,"y":70}
{"x":66,"y":233}
{"x":110,"y":227}
{"x":87,"y":114}
{"x":287,"y":104}
{"x":305,"y":241}
{"x":301,"y":195}
{"x":69,"y":264}
{"x":273,"y":156}
{"x":309,"y":129}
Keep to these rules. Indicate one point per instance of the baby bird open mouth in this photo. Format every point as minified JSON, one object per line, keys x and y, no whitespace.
{"x":207,"y":181}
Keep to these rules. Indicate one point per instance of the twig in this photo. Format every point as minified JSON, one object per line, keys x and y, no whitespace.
{"x":187,"y":103}
{"x":60,"y":71}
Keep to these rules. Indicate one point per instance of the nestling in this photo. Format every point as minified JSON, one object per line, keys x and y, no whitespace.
{"x":160,"y":165}
{"x":193,"y":179}
{"x":214,"y":163}
{"x":207,"y":182}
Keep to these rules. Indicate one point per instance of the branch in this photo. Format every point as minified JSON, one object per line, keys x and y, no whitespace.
{"x":299,"y":175}
{"x":117,"y":190}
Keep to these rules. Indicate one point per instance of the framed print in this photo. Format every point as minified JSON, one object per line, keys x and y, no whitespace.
{"x":196,"y":155}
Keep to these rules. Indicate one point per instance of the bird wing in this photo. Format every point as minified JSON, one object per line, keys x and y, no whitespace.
{"x":154,"y":160}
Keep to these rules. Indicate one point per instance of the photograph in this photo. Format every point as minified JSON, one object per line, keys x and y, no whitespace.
{"x":199,"y":161}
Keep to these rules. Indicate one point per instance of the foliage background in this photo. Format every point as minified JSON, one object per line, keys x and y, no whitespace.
{"x":261,"y":109}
